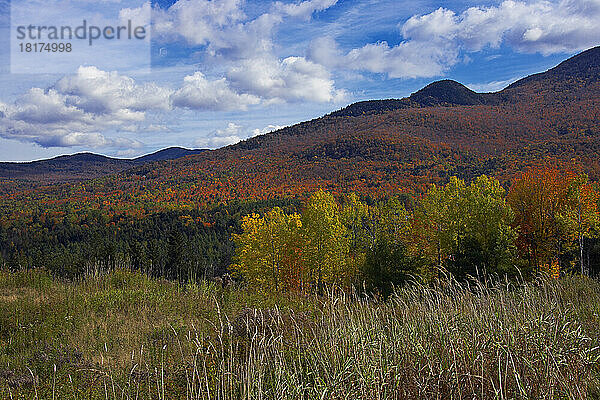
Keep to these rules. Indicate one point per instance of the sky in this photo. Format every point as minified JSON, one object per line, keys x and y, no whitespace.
{"x":209,"y":73}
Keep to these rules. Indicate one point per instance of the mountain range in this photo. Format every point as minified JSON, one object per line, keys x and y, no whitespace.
{"x":375,"y":146}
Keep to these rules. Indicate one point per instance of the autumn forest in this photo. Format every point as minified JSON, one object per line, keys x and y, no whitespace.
{"x":443,"y":245}
{"x":191,"y":217}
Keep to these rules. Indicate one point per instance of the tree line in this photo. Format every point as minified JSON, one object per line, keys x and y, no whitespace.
{"x":547,"y":222}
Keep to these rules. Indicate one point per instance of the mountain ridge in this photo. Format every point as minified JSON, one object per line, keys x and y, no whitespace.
{"x":448,"y":92}
{"x":444,"y":121}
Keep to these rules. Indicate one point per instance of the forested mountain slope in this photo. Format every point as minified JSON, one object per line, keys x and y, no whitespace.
{"x":553,"y":115}
{"x":376,"y":147}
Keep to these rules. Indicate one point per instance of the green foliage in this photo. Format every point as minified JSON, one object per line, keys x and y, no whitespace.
{"x":355,"y":215}
{"x":184,"y":245}
{"x":387,"y":266}
{"x":467,"y":227}
{"x":268,"y":250}
{"x":390,"y":222}
{"x":292,"y":251}
{"x":327,"y":241}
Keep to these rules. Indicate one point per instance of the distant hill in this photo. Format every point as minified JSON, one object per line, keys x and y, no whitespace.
{"x":170,"y":153}
{"x":84,"y":165}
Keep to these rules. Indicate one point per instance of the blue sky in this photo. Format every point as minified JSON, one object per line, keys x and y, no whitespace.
{"x":224,"y":70}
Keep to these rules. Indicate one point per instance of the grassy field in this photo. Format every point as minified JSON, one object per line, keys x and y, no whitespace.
{"x":125,"y":336}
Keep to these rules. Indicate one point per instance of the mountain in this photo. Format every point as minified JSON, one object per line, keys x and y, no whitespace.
{"x":64,"y":168}
{"x":170,"y":153}
{"x":382,"y":146}
{"x":440,"y":93}
{"x":449,"y":92}
{"x":584,"y":68}
{"x":84,"y":165}
{"x":405,"y":144}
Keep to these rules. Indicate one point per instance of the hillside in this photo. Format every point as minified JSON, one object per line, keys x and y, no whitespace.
{"x":440,"y":93}
{"x":406,"y":144}
{"x":444,"y":128}
{"x":377,"y":147}
{"x":83,"y":165}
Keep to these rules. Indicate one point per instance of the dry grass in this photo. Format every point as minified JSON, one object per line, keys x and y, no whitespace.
{"x":124,"y":336}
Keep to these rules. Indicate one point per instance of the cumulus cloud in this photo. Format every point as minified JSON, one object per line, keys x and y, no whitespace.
{"x":220,"y":25}
{"x":199,"y":93}
{"x":78,"y":108}
{"x":221,"y":137}
{"x":266,"y":129}
{"x":244,"y":47}
{"x":140,"y":16}
{"x":223,"y":26}
{"x":529,"y":26}
{"x":232,"y":134}
{"x":94,"y":139}
{"x":409,"y":59}
{"x":432,"y":43}
{"x":102,"y":92}
{"x":291,"y":79}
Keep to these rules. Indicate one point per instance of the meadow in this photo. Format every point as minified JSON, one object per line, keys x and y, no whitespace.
{"x":123,"y":335}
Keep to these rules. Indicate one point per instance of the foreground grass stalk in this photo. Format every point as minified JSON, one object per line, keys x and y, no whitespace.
{"x":455,"y":341}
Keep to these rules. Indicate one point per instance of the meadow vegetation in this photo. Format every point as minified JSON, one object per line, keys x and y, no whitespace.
{"x":124,"y":335}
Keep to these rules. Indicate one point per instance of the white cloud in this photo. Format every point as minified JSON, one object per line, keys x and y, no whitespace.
{"x":37,"y":106}
{"x":406,"y":60}
{"x":231,"y":134}
{"x":232,"y":129}
{"x":304,"y":9}
{"x":220,"y":25}
{"x":409,"y":59}
{"x":493,"y":86}
{"x":266,"y":129}
{"x":216,"y":142}
{"x":223,"y":26}
{"x":129,"y":153}
{"x":74,"y":139}
{"x":291,"y":79}
{"x":140,"y":16}
{"x":102,"y":92}
{"x":538,"y":26}
{"x":78,"y":108}
{"x":244,"y":47}
{"x":221,"y":137}
{"x":199,"y":93}
{"x":433,"y":42}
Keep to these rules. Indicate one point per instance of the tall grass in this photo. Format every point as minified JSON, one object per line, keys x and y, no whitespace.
{"x":130,"y":337}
